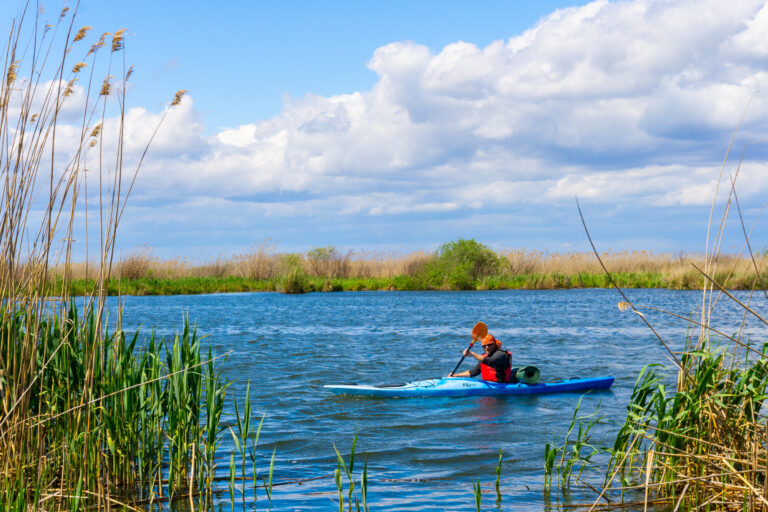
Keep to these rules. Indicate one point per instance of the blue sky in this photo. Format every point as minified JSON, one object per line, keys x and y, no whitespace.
{"x":240,"y":58}
{"x":398,"y":126}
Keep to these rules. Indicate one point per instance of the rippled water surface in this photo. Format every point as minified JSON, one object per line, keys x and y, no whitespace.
{"x":424,"y":453}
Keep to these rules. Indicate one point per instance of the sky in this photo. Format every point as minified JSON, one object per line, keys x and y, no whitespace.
{"x":399,"y":126}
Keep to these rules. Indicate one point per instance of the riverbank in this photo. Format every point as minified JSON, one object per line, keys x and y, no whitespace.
{"x":458,"y":265}
{"x":306,"y":284}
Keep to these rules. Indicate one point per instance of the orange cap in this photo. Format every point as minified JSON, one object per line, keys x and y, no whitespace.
{"x":490,"y":339}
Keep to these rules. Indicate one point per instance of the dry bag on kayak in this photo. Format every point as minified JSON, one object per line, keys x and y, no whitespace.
{"x":526,"y":375}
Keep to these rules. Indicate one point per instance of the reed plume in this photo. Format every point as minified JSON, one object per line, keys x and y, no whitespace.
{"x":86,"y":419}
{"x":177,"y":97}
{"x":81,"y":34}
{"x":703,"y":443}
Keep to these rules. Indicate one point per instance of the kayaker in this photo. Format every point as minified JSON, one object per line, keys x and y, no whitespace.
{"x":495,"y":365}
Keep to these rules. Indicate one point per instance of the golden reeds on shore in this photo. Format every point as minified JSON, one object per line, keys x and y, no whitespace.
{"x":424,"y":270}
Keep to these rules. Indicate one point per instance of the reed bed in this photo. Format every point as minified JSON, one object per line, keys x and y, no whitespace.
{"x":90,"y":417}
{"x":328,"y":269}
{"x":262,"y":265}
{"x":695,"y":436}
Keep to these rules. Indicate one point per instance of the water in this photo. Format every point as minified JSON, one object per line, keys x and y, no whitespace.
{"x":423,"y":454}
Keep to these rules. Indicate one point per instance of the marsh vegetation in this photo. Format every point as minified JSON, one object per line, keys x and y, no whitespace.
{"x":695,"y":436}
{"x":458,"y":265}
{"x":92,"y":417}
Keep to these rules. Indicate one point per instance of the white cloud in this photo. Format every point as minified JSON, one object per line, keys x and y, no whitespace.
{"x":612,"y":101}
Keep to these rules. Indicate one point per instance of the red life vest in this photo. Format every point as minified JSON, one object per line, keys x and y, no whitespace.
{"x":489,"y":373}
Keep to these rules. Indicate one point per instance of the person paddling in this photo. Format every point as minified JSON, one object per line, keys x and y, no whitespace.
{"x":495,"y":365}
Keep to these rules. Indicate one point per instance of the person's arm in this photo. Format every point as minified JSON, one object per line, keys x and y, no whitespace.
{"x":470,"y":373}
{"x":479,"y":357}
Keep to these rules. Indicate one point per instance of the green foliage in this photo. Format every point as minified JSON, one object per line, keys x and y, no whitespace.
{"x":290,"y":261}
{"x":665,"y":424}
{"x":327,"y":253}
{"x":575,"y":453}
{"x":348,"y":469}
{"x":462,"y":263}
{"x":146,"y":420}
{"x":550,"y":455}
{"x":268,"y":482}
{"x":295,"y":281}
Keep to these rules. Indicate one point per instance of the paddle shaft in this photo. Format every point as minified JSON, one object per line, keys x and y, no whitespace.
{"x":479,"y":331}
{"x":462,"y":359}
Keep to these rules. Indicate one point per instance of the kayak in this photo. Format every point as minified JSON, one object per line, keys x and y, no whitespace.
{"x":464,"y":386}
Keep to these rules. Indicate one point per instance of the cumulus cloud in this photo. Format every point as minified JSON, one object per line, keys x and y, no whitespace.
{"x":611,"y":101}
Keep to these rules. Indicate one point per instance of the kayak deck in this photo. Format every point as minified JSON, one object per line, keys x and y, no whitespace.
{"x":463,"y":386}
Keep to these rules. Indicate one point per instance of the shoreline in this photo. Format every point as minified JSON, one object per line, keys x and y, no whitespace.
{"x":306,"y":284}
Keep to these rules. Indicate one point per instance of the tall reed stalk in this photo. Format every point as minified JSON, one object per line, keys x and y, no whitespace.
{"x":87,"y":417}
{"x":701,"y":443}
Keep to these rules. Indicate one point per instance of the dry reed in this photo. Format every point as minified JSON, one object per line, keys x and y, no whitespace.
{"x":266,"y":263}
{"x":67,"y":433}
{"x":702,"y":445}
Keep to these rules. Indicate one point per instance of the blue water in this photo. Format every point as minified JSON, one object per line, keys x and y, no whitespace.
{"x":423,"y":454}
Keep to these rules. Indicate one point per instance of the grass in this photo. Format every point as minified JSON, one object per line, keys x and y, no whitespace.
{"x":303,"y":283}
{"x":695,"y":436}
{"x":700,"y":445}
{"x":458,"y":265}
{"x":89,"y":417}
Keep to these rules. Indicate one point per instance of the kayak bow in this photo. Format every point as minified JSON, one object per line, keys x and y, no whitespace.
{"x":462,"y":386}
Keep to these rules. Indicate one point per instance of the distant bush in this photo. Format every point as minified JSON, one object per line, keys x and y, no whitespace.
{"x":331,"y":286}
{"x":460,"y":265}
{"x":289,"y":261}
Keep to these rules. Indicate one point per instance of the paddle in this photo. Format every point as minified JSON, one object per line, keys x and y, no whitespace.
{"x":479,"y":331}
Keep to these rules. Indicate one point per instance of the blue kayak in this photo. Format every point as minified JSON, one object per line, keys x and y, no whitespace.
{"x":463,"y":386}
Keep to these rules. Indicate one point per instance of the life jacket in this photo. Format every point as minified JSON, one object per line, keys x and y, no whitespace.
{"x":490,"y":374}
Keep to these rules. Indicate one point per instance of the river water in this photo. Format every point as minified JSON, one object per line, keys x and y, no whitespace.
{"x":424,"y":453}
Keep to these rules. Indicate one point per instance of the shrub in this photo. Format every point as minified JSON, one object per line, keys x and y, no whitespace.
{"x":289,"y":262}
{"x":463,"y":262}
{"x":332,"y":286}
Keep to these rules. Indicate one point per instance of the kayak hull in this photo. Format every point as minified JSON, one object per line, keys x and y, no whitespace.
{"x":462,"y":386}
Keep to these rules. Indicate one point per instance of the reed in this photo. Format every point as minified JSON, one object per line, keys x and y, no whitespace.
{"x":498,"y":479}
{"x":327,"y":269}
{"x":576,"y":452}
{"x":696,"y":437}
{"x":478,"y":493}
{"x":90,"y":416}
{"x":344,"y":468}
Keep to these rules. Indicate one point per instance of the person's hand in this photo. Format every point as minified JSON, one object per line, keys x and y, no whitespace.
{"x":466,"y":352}
{"x":450,"y":375}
